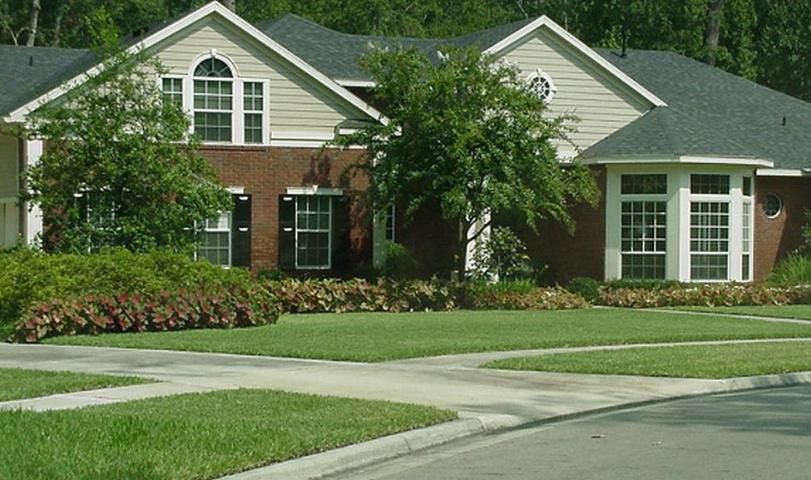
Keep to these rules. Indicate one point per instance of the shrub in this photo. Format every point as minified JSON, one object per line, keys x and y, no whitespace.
{"x":28,"y":278}
{"x":399,"y":262}
{"x":792,"y":270}
{"x":164,"y":311}
{"x":516,"y":296}
{"x":329,"y":295}
{"x":502,"y":256}
{"x":704,"y":295}
{"x":643,"y":284}
{"x":586,"y":287}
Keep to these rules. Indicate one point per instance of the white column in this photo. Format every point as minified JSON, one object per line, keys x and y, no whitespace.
{"x":735,"y":227}
{"x":32,"y":152}
{"x":613,"y":221}
{"x":684,"y":225}
{"x":480,"y":240}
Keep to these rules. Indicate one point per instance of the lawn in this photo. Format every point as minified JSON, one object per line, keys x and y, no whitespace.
{"x":800,"y":312}
{"x":704,"y":361}
{"x":194,"y":436}
{"x":16,"y":384}
{"x":374,"y":337}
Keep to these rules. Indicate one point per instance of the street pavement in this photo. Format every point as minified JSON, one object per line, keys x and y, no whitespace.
{"x":754,"y":435}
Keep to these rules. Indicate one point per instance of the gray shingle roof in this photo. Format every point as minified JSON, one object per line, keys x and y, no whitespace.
{"x":336,"y":54}
{"x":28,"y":72}
{"x":710,"y":112}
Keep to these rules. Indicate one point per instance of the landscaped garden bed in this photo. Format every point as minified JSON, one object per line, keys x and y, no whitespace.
{"x":194,"y":436}
{"x":16,"y":384}
{"x":694,"y":361}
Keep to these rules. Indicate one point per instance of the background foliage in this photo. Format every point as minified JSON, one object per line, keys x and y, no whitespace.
{"x":764,"y":40}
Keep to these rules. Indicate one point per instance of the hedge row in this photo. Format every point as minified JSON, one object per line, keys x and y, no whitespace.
{"x":29,"y":278}
{"x":93,"y":315}
{"x":703,"y":295}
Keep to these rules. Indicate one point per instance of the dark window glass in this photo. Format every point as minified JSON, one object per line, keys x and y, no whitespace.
{"x":644,"y":184}
{"x":709,"y":184}
{"x":747,"y":186}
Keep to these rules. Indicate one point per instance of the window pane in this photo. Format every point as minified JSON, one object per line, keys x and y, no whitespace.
{"x":709,"y":184}
{"x":643,"y":184}
{"x":313,"y":231}
{"x":640,"y":266}
{"x":709,"y":240}
{"x":253,"y":128}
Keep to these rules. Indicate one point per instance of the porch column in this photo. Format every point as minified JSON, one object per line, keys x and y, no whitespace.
{"x":32,"y":215}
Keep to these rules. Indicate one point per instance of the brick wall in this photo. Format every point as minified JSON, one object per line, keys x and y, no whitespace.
{"x":266,"y":172}
{"x":580,"y":254}
{"x":776,"y":237}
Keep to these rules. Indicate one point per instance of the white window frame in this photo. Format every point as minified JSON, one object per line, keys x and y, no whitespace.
{"x":237,"y":105}
{"x":207,"y":229}
{"x":644,"y":198}
{"x":747,"y":237}
{"x":540,"y":74}
{"x":390,"y":234}
{"x":712,"y":199}
{"x":328,"y":231}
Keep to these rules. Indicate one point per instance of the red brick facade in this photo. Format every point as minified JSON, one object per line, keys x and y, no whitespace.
{"x":776,"y":237}
{"x":568,"y":255}
{"x":266,"y":172}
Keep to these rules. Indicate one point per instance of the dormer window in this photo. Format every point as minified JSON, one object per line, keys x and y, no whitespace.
{"x":542,"y":85}
{"x":225,"y":108}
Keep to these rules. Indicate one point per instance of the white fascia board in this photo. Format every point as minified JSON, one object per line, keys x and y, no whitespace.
{"x":19,"y":114}
{"x":679,"y":159}
{"x":783,"y":172}
{"x":544,"y":21}
{"x":356,"y":83}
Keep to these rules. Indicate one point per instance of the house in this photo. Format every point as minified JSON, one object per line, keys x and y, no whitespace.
{"x":704,"y":175}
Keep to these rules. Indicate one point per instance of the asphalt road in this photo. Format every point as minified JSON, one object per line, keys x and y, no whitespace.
{"x":763,"y":434}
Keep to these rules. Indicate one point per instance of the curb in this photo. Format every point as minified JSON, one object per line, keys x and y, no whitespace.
{"x":386,"y":448}
{"x":381,"y":449}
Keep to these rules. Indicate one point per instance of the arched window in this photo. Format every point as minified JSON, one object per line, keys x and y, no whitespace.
{"x":213,"y":101}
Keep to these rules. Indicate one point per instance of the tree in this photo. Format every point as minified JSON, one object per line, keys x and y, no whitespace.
{"x":120,"y":167}
{"x":468,"y":134}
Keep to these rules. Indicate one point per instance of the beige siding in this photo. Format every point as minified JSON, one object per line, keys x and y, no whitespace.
{"x":9,"y":213}
{"x":297,"y":102}
{"x":584,"y":89}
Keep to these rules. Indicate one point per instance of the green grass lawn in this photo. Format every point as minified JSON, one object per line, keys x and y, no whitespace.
{"x":193,"y":436}
{"x":800,"y":312}
{"x":705,"y":361}
{"x":377,"y":337}
{"x":17,"y":384}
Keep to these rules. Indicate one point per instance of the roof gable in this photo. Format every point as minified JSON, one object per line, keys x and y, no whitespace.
{"x":213,"y":8}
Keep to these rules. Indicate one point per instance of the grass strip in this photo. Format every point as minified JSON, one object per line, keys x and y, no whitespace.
{"x":16,"y":384}
{"x":797,"y":312}
{"x":375,"y":337}
{"x":193,"y":436}
{"x":699,"y":361}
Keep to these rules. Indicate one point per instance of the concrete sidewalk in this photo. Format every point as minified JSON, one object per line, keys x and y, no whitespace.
{"x":487,"y":400}
{"x":473,"y":392}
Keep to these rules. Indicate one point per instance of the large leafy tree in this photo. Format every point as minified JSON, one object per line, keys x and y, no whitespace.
{"x":468,"y":134}
{"x":120,"y":167}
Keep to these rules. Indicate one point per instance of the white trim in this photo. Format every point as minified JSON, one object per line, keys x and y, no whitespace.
{"x":314,"y":190}
{"x":236,"y":190}
{"x":782,"y":172}
{"x":544,"y":21}
{"x":298,"y":135}
{"x":540,"y":74}
{"x":19,"y":114}
{"x":33,"y":227}
{"x":679,"y":159}
{"x":356,"y":83}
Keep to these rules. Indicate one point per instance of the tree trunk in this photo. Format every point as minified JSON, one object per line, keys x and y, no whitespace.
{"x":230,"y":4}
{"x":33,"y":23}
{"x":60,"y":15}
{"x":712,"y":30}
